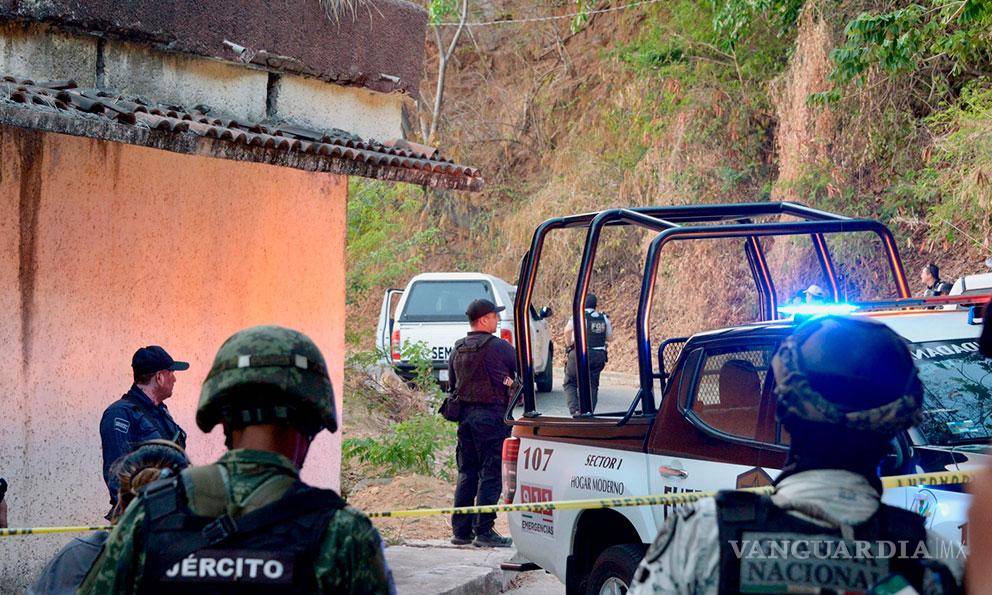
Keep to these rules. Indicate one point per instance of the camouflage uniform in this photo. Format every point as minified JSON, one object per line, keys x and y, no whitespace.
{"x":351,"y":558}
{"x":261,"y":376}
{"x":841,"y":412}
{"x":685,"y":557}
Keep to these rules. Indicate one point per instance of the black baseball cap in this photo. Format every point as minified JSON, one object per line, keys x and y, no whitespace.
{"x":151,"y":359}
{"x":479,"y":308}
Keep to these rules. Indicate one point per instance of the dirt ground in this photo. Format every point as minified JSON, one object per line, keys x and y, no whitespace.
{"x":407,"y":492}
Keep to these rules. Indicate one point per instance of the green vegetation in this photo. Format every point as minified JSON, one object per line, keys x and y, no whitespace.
{"x":418,"y":440}
{"x":386,"y":243}
{"x":414,"y":445}
{"x":940,"y":44}
{"x":383,"y":246}
{"x":955,"y":185}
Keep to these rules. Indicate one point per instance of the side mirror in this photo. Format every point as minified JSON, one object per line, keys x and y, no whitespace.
{"x":544,"y":313}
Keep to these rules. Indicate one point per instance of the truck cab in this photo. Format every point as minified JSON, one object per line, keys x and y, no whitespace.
{"x":704,"y":419}
{"x":431,"y":311}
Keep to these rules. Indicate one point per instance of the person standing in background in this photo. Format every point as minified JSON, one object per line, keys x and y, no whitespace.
{"x":141,"y":414}
{"x":599,"y":331}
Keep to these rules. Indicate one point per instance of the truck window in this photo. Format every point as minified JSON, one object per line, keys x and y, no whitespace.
{"x":443,"y":301}
{"x":957,"y":391}
{"x":729,"y":395}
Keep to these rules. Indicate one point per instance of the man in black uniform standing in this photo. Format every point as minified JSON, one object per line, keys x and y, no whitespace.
{"x":482,"y":368}
{"x":598,"y":332}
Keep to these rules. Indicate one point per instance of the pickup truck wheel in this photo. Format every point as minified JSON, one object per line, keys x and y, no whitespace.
{"x":545,"y":380}
{"x":614,"y":569}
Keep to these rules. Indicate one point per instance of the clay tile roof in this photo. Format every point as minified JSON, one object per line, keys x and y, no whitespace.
{"x":62,"y":107}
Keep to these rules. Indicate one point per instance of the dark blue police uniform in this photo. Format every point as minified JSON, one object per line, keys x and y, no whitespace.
{"x":135,"y":418}
{"x":130,"y":421}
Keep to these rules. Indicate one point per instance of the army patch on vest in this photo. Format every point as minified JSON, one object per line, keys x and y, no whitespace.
{"x":121,"y":425}
{"x":228,"y":566}
{"x":799,"y":562}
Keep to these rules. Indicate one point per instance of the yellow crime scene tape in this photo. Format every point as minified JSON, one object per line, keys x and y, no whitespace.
{"x":895,"y":481}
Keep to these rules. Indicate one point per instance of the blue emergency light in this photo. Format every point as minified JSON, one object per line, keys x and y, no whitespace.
{"x":817,"y":309}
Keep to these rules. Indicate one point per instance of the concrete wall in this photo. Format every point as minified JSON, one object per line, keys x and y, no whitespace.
{"x":233,"y":91}
{"x":346,"y":108}
{"x":105,"y":247}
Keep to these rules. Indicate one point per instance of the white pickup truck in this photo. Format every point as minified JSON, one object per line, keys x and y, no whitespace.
{"x":704,"y":416}
{"x":431,"y":310}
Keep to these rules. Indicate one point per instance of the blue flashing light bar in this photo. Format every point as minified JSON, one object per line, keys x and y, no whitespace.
{"x":817,"y":309}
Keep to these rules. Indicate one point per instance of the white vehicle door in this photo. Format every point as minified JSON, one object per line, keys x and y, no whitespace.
{"x":539,"y":341}
{"x":387,"y":318}
{"x":539,"y":335}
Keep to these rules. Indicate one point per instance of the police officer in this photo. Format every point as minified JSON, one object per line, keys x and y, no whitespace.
{"x":141,"y":414}
{"x":482,"y":367}
{"x":247,"y":523}
{"x":842,"y":415}
{"x":930,"y":277}
{"x":599,"y":330}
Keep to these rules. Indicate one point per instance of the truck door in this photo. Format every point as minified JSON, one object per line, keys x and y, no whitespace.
{"x":387,"y":317}
{"x":725,"y":395}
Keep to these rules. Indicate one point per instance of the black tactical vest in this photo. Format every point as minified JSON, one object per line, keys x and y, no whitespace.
{"x":472,"y":381}
{"x":764,"y":549}
{"x":595,"y":329}
{"x":271,"y":549}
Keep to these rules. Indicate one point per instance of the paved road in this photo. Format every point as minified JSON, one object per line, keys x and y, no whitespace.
{"x":616,"y":391}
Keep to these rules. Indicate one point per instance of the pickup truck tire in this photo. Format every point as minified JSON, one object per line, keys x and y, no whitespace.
{"x":545,"y":380}
{"x":614,"y":569}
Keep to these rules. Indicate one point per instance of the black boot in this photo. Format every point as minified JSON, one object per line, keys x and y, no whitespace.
{"x":491,"y":538}
{"x":456,"y":540}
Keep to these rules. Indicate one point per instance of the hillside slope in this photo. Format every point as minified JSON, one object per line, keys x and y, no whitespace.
{"x":653,"y":105}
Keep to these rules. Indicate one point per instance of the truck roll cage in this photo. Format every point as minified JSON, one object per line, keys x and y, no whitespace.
{"x":677,"y":223}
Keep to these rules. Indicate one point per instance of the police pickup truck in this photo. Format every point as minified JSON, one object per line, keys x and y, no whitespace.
{"x":431,"y":310}
{"x":703,"y":418}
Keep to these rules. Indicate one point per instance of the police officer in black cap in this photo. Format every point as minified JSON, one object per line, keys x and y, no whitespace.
{"x":141,"y":413}
{"x":599,"y":330}
{"x":482,"y":367}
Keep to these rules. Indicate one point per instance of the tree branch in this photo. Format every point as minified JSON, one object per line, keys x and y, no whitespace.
{"x":442,"y":69}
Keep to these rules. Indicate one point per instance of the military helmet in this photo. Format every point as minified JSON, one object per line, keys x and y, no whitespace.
{"x":591,"y":301}
{"x":281,"y":370}
{"x":849,"y":372}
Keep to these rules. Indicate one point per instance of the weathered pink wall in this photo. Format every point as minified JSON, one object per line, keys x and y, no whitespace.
{"x":105,"y":247}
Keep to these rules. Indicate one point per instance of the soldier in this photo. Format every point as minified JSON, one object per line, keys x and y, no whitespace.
{"x":247,"y":522}
{"x":599,"y":330}
{"x":842,"y":415}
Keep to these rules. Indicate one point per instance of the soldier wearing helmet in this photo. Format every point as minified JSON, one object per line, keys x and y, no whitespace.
{"x":845,"y":387}
{"x":247,"y":523}
{"x":599,"y":330}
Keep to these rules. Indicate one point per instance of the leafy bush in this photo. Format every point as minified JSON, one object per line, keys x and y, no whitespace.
{"x":423,"y":444}
{"x":419,"y":356}
{"x":956,"y":184}
{"x":385,"y":245}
